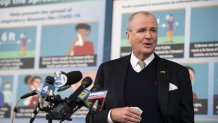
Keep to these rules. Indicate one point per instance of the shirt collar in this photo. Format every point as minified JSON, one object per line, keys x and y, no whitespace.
{"x":134,"y":60}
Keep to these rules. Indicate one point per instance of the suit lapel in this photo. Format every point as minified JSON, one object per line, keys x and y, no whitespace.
{"x":121,"y":76}
{"x":163,"y":84}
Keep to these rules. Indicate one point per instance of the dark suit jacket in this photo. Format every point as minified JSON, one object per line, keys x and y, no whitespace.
{"x":176,"y":106}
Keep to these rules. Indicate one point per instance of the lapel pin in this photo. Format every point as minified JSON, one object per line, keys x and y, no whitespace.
{"x":162,"y":71}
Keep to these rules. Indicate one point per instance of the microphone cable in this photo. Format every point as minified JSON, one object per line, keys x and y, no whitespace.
{"x":14,"y":110}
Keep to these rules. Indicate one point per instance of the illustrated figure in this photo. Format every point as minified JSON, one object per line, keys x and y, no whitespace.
{"x":33,"y":83}
{"x":8,"y":95}
{"x":170,"y":27}
{"x":81,"y":45}
{"x":24,"y":42}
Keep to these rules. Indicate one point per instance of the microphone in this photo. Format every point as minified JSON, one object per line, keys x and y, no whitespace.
{"x":64,"y":110}
{"x":60,"y":79}
{"x":87,"y":81}
{"x":93,"y":99}
{"x":72,"y":78}
{"x":96,"y":103}
{"x":50,"y":80}
{"x":47,"y":99}
{"x":31,"y":93}
{"x":97,"y":97}
{"x":63,"y":88}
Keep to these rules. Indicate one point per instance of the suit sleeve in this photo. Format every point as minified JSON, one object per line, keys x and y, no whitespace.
{"x":186,"y":100}
{"x":98,"y":116}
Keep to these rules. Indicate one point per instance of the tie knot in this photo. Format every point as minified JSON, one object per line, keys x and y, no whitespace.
{"x":141,"y":64}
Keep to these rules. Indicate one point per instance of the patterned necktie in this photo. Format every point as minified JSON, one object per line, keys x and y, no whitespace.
{"x":141,"y":64}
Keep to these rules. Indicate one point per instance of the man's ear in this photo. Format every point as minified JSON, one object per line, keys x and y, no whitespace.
{"x":128,"y":36}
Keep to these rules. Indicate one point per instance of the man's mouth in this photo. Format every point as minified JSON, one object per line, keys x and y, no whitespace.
{"x":147,"y":44}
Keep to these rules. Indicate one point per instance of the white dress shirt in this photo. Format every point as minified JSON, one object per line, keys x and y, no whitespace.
{"x":137,"y":68}
{"x":134,"y":62}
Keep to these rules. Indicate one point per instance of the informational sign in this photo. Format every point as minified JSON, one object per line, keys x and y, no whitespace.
{"x":17,"y":46}
{"x":39,"y":37}
{"x":204,"y":44}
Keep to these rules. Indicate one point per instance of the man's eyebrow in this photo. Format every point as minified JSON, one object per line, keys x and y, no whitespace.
{"x":145,"y":28}
{"x":154,"y":27}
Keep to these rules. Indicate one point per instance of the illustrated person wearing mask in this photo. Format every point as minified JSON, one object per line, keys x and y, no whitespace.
{"x":8,"y":95}
{"x":81,"y":45}
{"x":142,"y":87}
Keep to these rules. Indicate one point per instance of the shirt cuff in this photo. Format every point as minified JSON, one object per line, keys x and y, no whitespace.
{"x":109,"y":120}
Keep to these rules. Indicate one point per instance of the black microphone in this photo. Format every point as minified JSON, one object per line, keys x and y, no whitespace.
{"x":86,"y":82}
{"x":72,"y":78}
{"x":31,"y":93}
{"x":71,"y":104}
{"x":50,"y":80}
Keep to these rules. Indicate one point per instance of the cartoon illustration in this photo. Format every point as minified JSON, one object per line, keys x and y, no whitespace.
{"x":23,"y":41}
{"x":192,"y":77}
{"x":170,"y":27}
{"x":33,"y":83}
{"x":8,"y":95}
{"x":81,"y":45}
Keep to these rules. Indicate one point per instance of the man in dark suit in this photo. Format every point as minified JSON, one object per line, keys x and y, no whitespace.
{"x":160,"y":88}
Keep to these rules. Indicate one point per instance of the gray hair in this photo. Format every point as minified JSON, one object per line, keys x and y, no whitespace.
{"x":136,"y":13}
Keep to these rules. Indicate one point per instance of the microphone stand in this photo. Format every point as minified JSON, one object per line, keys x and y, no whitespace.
{"x":39,"y":108}
{"x":49,"y":120}
{"x":35,"y":112}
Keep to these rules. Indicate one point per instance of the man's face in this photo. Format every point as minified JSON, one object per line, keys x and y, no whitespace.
{"x":143,"y":35}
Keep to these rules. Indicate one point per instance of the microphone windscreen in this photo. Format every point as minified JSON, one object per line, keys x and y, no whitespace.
{"x":73,"y":77}
{"x":87,"y":81}
{"x":50,"y":80}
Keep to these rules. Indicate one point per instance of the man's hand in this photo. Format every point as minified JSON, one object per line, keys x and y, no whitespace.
{"x":125,"y":115}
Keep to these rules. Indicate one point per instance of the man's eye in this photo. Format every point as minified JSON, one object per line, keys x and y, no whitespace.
{"x":154,"y":30}
{"x":141,"y":30}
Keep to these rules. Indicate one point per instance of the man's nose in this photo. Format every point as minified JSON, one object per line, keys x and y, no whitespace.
{"x":147,"y":34}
